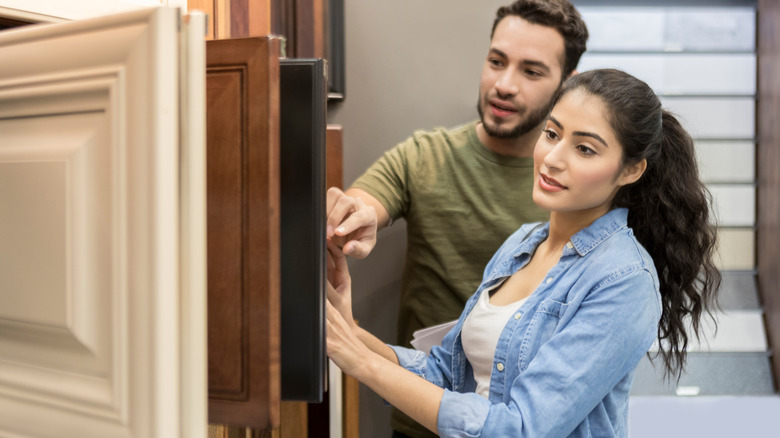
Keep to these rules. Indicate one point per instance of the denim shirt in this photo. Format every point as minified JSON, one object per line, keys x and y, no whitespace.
{"x":565,"y":361}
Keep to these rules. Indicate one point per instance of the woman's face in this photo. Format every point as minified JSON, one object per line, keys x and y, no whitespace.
{"x":577,"y":159}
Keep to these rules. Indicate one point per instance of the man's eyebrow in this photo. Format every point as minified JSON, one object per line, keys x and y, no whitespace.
{"x":580,"y":133}
{"x":532,"y":62}
{"x":538,"y":64}
{"x":498,"y":52}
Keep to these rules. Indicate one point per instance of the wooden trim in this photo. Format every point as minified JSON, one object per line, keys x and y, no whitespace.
{"x":283,"y":23}
{"x":222,"y":22}
{"x":768,"y":169}
{"x":334,"y":50}
{"x":235,"y":18}
{"x":334,"y":156}
{"x":294,"y":420}
{"x":351,"y":407}
{"x":304,"y":29}
{"x":239,"y":18}
{"x":259,"y":17}
{"x":207,"y":7}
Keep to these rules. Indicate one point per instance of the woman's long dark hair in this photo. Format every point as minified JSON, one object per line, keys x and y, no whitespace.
{"x":669,"y":207}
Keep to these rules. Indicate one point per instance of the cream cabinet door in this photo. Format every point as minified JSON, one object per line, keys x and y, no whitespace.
{"x":102,"y":253}
{"x":60,"y":10}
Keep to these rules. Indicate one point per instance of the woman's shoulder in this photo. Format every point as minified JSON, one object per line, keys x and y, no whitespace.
{"x":611,"y":243}
{"x":622,"y":257}
{"x":623,"y":249}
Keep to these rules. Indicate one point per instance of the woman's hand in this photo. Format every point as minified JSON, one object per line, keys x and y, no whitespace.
{"x":340,"y":284}
{"x":366,"y":358}
{"x":344,"y":348}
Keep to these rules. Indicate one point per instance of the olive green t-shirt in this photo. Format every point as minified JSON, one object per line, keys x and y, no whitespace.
{"x":460,"y":201}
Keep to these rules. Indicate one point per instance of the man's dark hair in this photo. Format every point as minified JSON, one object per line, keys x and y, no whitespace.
{"x":558,"y":14}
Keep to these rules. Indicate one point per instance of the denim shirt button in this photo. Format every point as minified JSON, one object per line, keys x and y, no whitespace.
{"x":549,"y":280}
{"x":518,"y":315}
{"x":500,"y":366}
{"x":569,"y":245}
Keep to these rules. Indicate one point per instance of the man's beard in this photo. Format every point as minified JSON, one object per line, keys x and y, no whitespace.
{"x":528,"y":124}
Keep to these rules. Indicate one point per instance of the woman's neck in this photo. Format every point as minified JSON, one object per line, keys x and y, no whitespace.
{"x":563,"y":225}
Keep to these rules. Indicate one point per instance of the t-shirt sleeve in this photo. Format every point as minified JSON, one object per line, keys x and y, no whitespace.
{"x":388,"y":179}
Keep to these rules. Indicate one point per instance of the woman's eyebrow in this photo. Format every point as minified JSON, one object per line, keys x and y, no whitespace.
{"x":580,"y":133}
{"x":591,"y":135}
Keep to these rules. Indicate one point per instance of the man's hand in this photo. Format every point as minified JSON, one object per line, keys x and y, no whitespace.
{"x":351,"y":224}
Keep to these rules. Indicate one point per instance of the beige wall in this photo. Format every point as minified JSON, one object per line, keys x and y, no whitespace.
{"x":410,"y":65}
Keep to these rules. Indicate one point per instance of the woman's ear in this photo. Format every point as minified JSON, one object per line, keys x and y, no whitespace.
{"x":632,"y":173}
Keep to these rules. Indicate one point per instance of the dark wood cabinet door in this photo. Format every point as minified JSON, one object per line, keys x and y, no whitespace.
{"x":242,"y":95}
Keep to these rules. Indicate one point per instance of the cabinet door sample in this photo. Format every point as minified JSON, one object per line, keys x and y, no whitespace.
{"x":303,"y":99}
{"x":242,"y":111}
{"x":48,"y":11}
{"x":102,"y":301}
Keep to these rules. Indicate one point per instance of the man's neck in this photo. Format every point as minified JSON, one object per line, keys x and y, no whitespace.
{"x":522,"y":146}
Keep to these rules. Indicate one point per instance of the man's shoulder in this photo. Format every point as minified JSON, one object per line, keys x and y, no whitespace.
{"x":456,"y":135}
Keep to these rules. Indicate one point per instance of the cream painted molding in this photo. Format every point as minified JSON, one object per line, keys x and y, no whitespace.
{"x":53,"y":11}
{"x":102,"y":303}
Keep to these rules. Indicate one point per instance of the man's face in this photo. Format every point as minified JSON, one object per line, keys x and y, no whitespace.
{"x":521,"y":74}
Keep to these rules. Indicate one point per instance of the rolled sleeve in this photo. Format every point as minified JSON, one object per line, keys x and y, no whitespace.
{"x":412,"y":360}
{"x":462,"y":414}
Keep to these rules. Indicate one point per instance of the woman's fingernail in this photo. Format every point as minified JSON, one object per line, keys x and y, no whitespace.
{"x":341,"y":229}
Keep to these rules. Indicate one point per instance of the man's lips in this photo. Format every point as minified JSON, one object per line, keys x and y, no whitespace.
{"x":550,"y":184}
{"x":501,"y":108}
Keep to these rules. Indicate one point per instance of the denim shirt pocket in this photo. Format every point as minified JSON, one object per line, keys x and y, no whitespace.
{"x":541,"y":328}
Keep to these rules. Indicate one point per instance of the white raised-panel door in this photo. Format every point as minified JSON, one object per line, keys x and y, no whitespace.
{"x":62,"y":10}
{"x":102,"y":253}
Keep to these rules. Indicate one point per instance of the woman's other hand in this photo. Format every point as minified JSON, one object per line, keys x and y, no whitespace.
{"x":340,"y":284}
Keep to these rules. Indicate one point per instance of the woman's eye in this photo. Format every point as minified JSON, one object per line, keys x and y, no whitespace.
{"x":550,"y":134}
{"x":584,"y":150}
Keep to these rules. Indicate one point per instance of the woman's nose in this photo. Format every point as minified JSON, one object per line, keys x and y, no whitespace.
{"x":555,"y":158}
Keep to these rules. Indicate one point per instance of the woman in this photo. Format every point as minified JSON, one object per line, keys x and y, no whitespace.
{"x":548,"y":344}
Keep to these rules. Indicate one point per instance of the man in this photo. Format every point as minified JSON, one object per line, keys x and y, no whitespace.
{"x":464,"y":190}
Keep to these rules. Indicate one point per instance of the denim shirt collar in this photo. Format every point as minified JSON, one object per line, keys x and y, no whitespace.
{"x":584,"y":240}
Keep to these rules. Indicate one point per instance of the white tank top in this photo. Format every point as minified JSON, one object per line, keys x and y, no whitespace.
{"x":480,"y":334}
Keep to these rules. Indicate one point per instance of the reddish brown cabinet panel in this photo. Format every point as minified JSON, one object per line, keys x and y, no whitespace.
{"x":334,"y":149}
{"x":242,"y":95}
{"x":234,"y":18}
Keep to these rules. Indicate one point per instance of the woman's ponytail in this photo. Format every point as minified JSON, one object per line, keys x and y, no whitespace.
{"x":669,"y":211}
{"x":669,"y":207}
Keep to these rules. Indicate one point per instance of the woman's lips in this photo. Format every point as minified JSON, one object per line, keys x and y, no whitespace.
{"x":550,"y":184}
